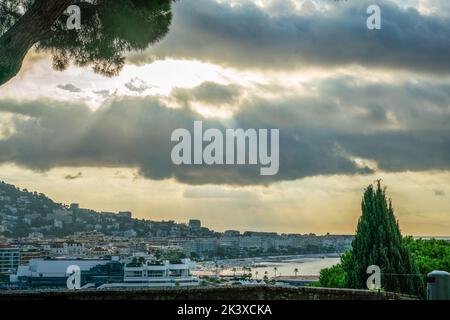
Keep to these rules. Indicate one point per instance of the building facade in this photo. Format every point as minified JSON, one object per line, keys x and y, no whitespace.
{"x":138,"y":271}
{"x":9,"y":259}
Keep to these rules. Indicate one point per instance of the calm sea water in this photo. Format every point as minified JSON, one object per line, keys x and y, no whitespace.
{"x":306,"y":265}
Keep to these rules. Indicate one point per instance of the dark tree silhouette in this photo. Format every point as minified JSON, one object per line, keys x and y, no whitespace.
{"x":109,"y":29}
{"x":378,"y":241}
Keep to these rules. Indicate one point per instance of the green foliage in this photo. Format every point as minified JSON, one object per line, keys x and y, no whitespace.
{"x":429,"y":255}
{"x":10,"y":12}
{"x":378,"y":241}
{"x":174,"y":256}
{"x":213,"y":280}
{"x":137,"y":262}
{"x":109,"y":29}
{"x":335,"y":276}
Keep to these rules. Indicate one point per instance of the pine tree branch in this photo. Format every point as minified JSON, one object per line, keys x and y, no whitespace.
{"x":27,"y":31}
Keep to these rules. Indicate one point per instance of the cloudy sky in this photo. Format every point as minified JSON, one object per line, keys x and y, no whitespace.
{"x":352,"y":105}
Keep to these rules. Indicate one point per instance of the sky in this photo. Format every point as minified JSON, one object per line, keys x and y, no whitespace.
{"x":352,"y":105}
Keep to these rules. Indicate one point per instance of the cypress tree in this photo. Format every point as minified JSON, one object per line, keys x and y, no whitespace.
{"x":378,"y":241}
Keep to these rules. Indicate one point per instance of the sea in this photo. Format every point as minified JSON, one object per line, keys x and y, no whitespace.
{"x":269,"y":266}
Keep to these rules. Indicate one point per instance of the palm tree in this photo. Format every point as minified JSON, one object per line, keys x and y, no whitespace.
{"x":275,"y":269}
{"x":234,"y":272}
{"x":217,"y":268}
{"x":256,"y":275}
{"x":266,"y":275}
{"x":296,"y":271}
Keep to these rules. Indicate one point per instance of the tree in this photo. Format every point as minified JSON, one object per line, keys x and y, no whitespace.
{"x":378,"y":241}
{"x":333,"y":277}
{"x":296,"y":271}
{"x":109,"y":29}
{"x":429,"y":255}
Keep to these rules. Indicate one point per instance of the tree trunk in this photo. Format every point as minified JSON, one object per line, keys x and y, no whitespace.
{"x":27,"y":31}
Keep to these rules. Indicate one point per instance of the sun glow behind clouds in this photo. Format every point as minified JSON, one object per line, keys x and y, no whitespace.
{"x":158,"y":78}
{"x":161,"y":77}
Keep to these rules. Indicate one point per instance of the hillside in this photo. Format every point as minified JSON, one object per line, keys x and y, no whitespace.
{"x":23,"y":212}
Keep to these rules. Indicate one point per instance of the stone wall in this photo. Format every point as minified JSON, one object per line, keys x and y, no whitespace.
{"x":222,"y":293}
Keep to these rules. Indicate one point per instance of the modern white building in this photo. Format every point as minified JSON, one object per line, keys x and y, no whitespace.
{"x":55,"y":268}
{"x":138,"y":271}
{"x":144,"y":271}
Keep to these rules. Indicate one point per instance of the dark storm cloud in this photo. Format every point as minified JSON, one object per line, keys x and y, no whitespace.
{"x":400,"y":151}
{"x":396,"y":126}
{"x":136,"y":133}
{"x":246,"y":36}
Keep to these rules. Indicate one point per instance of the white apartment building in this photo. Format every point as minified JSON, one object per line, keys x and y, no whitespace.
{"x":69,"y":248}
